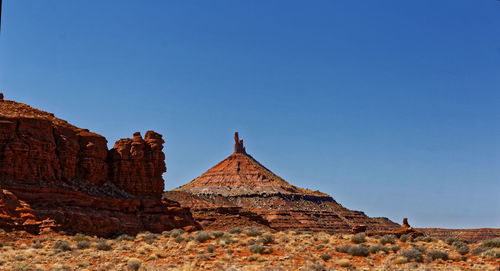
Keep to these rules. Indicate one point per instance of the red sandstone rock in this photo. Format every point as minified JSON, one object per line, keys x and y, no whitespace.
{"x":241,"y":190}
{"x":473,"y":235}
{"x":407,"y":229}
{"x":137,"y":164}
{"x":57,"y":175}
{"x":358,"y":229}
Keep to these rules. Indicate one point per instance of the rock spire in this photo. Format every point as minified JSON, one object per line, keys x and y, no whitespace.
{"x":238,"y":144}
{"x":239,"y":191}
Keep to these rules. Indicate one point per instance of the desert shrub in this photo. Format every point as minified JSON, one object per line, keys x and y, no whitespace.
{"x":103,"y":245}
{"x":493,"y":253}
{"x":395,"y":248}
{"x":235,"y":230}
{"x":256,"y":248}
{"x":450,"y":241}
{"x":125,"y":237}
{"x":358,"y":251}
{"x":179,"y":239}
{"x":19,"y":258}
{"x":202,"y":236}
{"x":401,"y":260}
{"x":147,"y":237}
{"x":176,"y":232}
{"x":133,"y":264}
{"x":293,"y":231}
{"x":325,"y":257}
{"x":478,"y":250}
{"x":229,"y":251}
{"x":165,"y":233}
{"x":405,"y":238}
{"x":21,"y":266}
{"x":461,"y":247}
{"x":343,"y":248}
{"x":376,"y":248}
{"x":376,"y":237}
{"x":437,"y":254}
{"x":210,"y":248}
{"x":82,"y":244}
{"x":36,"y":244}
{"x":9,"y":244}
{"x":218,"y":234}
{"x":412,"y":255}
{"x":267,"y":238}
{"x":62,"y":245}
{"x":359,"y":238}
{"x":252,"y":231}
{"x":80,"y":237}
{"x":387,"y":239}
{"x":491,"y":243}
{"x":419,"y":248}
{"x":228,"y":240}
{"x":426,"y":239}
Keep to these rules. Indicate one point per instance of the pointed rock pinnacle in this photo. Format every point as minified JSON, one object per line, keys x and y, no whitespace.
{"x":238,"y":144}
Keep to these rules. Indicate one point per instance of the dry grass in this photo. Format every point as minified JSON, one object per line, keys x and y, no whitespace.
{"x":246,"y":249}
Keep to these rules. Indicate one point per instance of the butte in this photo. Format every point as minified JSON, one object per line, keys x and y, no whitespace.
{"x":239,"y":191}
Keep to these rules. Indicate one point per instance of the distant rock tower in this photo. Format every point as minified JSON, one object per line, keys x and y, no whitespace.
{"x":238,"y":144}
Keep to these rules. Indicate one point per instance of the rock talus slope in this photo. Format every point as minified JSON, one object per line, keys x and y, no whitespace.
{"x":239,"y":191}
{"x":56,"y":172}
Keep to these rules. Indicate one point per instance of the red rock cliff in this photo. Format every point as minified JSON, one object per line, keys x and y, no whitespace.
{"x":66,"y":174}
{"x":137,"y":164}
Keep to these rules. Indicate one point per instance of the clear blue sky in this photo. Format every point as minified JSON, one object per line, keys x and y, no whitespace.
{"x":391,"y":107}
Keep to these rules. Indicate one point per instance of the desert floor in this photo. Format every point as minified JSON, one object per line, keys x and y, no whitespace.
{"x":243,"y":249}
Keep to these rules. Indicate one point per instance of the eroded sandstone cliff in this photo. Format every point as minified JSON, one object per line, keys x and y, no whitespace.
{"x":61,"y":173}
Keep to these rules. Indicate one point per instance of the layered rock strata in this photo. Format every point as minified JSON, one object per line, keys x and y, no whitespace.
{"x":253,"y":193}
{"x":473,"y":235}
{"x":57,"y":171}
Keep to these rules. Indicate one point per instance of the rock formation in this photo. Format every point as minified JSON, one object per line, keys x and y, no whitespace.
{"x":405,"y":229}
{"x":54,"y":171}
{"x":137,"y":164}
{"x":239,"y":191}
{"x":473,"y":235}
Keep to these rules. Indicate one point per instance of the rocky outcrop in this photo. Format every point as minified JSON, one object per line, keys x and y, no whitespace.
{"x":38,"y":149}
{"x":405,"y":229}
{"x":137,"y":164}
{"x":57,"y":171}
{"x":256,"y":195}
